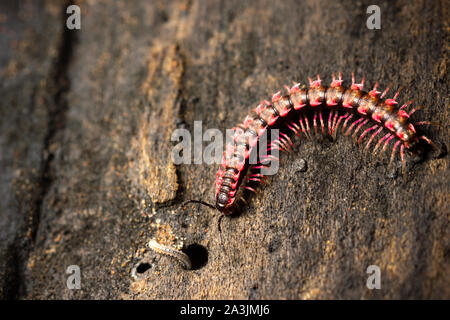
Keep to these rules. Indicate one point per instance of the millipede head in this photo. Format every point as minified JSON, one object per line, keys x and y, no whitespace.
{"x":222,"y":201}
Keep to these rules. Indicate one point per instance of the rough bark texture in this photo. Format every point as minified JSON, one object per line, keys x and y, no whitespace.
{"x":86,"y":177}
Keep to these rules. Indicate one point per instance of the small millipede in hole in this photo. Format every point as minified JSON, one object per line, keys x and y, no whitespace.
{"x":179,"y":255}
{"x":352,"y":107}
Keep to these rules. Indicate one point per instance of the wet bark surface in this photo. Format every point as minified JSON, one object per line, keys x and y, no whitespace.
{"x":86,"y":178}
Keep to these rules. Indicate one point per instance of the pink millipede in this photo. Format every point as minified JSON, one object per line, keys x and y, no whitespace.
{"x":180,"y":256}
{"x":293,"y":112}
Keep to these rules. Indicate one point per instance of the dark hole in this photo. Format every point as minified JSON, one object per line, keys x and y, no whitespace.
{"x":141,"y":268}
{"x":198,"y":255}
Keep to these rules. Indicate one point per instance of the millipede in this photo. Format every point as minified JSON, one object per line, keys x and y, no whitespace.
{"x":302,"y":112}
{"x":178,"y":255}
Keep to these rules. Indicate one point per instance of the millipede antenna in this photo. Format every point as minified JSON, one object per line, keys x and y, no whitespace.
{"x":200,"y":202}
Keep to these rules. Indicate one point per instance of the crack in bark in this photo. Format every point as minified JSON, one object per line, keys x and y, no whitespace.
{"x":58,"y":87}
{"x":57,"y":113}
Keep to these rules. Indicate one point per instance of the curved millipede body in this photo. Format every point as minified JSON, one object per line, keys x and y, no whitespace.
{"x":359,"y":112}
{"x":180,"y":256}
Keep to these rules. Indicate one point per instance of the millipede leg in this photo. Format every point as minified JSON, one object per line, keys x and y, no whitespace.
{"x":269,"y":156}
{"x":303,"y":129}
{"x":259,"y":166}
{"x":283,"y":143}
{"x":402,"y":156}
{"x":365,"y":132}
{"x":379,"y":142}
{"x":406,"y":104}
{"x":423,"y":123}
{"x":333,"y":125}
{"x":250,"y":189}
{"x":345,"y":122}
{"x":307,"y":125}
{"x":372,"y":137}
{"x":258,"y":175}
{"x":386,"y":143}
{"x":294,"y":128}
{"x":276,"y":145}
{"x":412,"y":111}
{"x":353,"y":124}
{"x":315,"y":122}
{"x":280,"y":144}
{"x":321,"y":122}
{"x":338,"y":123}
{"x":428,"y":140}
{"x":287,"y":141}
{"x":330,"y":116}
{"x":393,"y":154}
{"x":256,"y":180}
{"x":359,"y":127}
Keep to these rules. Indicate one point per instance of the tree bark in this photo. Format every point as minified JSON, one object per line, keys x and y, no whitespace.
{"x":87,"y":178}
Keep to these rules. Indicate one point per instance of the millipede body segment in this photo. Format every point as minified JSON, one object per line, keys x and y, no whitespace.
{"x":328,"y":106}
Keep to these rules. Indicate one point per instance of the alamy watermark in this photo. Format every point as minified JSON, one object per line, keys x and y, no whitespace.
{"x":74,"y":280}
{"x":374,"y":280}
{"x":74,"y":20}
{"x":189,"y":150}
{"x":374,"y":20}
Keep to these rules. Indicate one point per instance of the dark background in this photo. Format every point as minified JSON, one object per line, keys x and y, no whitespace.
{"x":86,"y":178}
